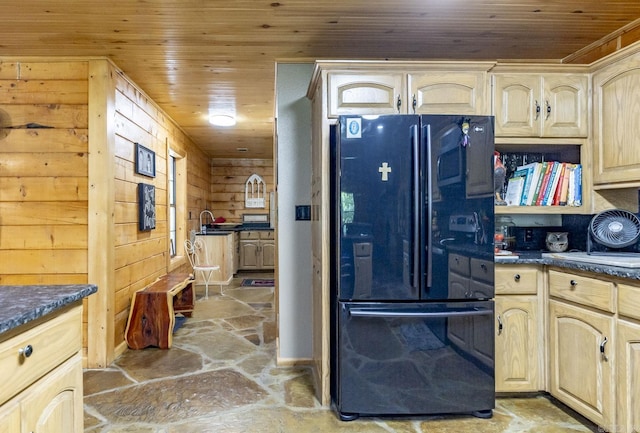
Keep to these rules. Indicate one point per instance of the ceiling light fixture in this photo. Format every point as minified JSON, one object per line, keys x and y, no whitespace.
{"x":242,"y":149}
{"x":222,"y":120}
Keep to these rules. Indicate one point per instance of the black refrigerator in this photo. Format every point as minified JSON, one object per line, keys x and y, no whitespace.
{"x":410,"y":194}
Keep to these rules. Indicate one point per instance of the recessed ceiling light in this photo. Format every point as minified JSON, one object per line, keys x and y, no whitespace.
{"x":242,"y":149}
{"x":222,"y":120}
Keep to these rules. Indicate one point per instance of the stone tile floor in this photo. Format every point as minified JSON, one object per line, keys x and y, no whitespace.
{"x":220,"y":376}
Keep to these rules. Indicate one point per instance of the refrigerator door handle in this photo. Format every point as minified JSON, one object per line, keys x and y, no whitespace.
{"x":390,"y":314}
{"x":428,"y":222}
{"x":416,"y":207}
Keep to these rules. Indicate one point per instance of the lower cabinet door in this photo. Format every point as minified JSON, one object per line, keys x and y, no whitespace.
{"x":268,"y":255}
{"x":249,"y":255}
{"x":628,"y":362}
{"x":582,"y":356}
{"x":518,"y":352}
{"x":54,"y":403}
{"x":10,"y":417}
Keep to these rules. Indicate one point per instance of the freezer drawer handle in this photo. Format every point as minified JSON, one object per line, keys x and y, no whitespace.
{"x":417,"y":314}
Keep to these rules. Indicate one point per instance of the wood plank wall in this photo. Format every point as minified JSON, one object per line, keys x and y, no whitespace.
{"x":228,"y":177}
{"x":44,"y":173}
{"x":607,"y":45}
{"x":44,"y":209}
{"x":142,"y":256}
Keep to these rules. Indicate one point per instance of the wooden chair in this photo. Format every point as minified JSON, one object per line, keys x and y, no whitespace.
{"x":201,"y":262}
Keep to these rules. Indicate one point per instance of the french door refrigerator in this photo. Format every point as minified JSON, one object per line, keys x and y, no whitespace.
{"x":409,"y":194}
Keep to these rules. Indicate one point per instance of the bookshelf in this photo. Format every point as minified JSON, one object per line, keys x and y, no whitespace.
{"x":518,"y":151}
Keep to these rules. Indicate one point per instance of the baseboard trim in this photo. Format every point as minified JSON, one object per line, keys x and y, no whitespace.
{"x":294,"y":362}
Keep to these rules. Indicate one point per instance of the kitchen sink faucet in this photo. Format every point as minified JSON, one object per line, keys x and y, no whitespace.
{"x":202,"y":227}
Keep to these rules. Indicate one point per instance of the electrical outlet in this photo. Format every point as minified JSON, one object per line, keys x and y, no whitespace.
{"x":528,"y":235}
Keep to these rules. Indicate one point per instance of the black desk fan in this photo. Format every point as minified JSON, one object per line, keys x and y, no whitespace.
{"x":614,"y":229}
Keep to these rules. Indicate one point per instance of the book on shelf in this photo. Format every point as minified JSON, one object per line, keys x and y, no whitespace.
{"x":548,"y":183}
{"x":564,"y":189}
{"x":550,"y":192}
{"x":578,"y":179}
{"x":515,"y":187}
{"x":542,"y":183}
{"x":527,"y":172}
{"x":558,"y":189}
{"x":535,"y":183}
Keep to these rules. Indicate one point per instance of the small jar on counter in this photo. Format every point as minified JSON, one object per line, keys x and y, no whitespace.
{"x":506,"y":231}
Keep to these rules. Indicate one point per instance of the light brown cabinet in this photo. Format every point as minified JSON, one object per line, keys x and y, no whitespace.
{"x":257,"y":250}
{"x":628,"y":358}
{"x":221,"y":251}
{"x":581,"y":361}
{"x":628,"y":381}
{"x":520,"y":349}
{"x":397,"y":88}
{"x":544,"y":109}
{"x":42,"y":392}
{"x":541,"y":105}
{"x":581,"y":345}
{"x":616,"y":139}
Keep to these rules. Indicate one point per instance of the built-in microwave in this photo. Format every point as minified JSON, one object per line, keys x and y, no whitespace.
{"x":451,"y":164}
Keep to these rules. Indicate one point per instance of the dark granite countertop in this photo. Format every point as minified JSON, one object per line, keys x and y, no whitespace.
{"x":23,"y":304}
{"x":227,"y":229}
{"x":477,"y":251}
{"x":537,"y":259}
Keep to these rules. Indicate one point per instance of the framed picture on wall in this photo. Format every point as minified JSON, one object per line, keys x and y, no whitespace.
{"x":146,"y":207}
{"x":145,"y":161}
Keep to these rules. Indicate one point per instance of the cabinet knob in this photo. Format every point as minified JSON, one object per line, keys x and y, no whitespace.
{"x":499,"y":325}
{"x":26,"y":351}
{"x":398,"y":103}
{"x":537,"y":110}
{"x":516,"y":278}
{"x":414,"y":104}
{"x":548,"y":109}
{"x":573,"y":283}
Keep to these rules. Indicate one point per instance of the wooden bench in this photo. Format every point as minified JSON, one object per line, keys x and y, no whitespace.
{"x":153,"y":309}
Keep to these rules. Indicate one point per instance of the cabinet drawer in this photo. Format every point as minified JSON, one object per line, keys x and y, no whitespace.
{"x":516,"y":280}
{"x":459,"y":264}
{"x":582,"y":289}
{"x":266,"y":234}
{"x":52,"y":342}
{"x":481,"y":270}
{"x":250,"y":234}
{"x":629,"y":301}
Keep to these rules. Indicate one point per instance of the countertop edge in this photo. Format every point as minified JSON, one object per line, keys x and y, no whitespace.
{"x":23,"y":304}
{"x":615,"y":271}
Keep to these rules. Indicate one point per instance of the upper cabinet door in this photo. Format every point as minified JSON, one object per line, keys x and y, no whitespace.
{"x":517,"y":106}
{"x":448,"y":92}
{"x":534,"y":105}
{"x":564,"y":110}
{"x":616,"y":127}
{"x":366,"y":93}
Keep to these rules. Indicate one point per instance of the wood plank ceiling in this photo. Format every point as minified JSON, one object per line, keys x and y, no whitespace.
{"x":193,"y":56}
